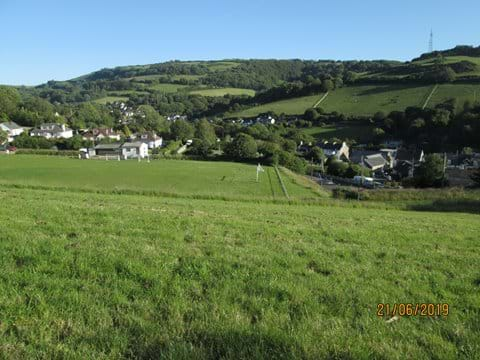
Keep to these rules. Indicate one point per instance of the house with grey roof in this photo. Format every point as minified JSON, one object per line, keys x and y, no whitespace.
{"x":134,"y":150}
{"x":12,"y":129}
{"x":53,"y":131}
{"x":335,"y":150}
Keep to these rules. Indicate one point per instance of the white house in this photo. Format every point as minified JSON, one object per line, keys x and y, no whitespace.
{"x":151,"y":139}
{"x":134,"y":150}
{"x":99,"y":134}
{"x":53,"y":131}
{"x":12,"y":129}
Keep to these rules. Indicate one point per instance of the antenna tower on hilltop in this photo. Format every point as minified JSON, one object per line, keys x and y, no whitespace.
{"x":430,"y":43}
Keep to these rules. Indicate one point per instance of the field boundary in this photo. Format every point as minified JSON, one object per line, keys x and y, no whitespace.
{"x":321,"y":100}
{"x":430,"y":97}
{"x":284,"y":189}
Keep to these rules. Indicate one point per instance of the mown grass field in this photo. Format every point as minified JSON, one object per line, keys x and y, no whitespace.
{"x":87,"y":275}
{"x":223,"y":91}
{"x":167,"y":177}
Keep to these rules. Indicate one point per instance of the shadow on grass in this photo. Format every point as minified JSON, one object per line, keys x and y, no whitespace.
{"x":465,"y":206}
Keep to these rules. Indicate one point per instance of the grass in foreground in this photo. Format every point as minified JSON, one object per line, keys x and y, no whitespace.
{"x":109,"y":276}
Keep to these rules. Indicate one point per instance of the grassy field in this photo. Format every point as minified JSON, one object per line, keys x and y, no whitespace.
{"x":167,"y":88}
{"x":224,"y":91}
{"x":111,"y":99}
{"x":117,"y":276}
{"x":359,"y":133}
{"x":168,"y":177}
{"x":462,"y":92}
{"x":368,"y":99}
{"x":295,"y":106}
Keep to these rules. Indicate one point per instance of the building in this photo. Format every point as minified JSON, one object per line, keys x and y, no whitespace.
{"x":335,"y":150}
{"x":114,"y":149}
{"x":134,"y":150}
{"x":374,"y":159}
{"x":99,"y":134}
{"x":406,"y":161}
{"x":12,"y":129}
{"x":53,"y":131}
{"x":151,"y":139}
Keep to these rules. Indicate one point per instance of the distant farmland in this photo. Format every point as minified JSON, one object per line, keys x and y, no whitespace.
{"x":368,"y":99}
{"x":224,"y":91}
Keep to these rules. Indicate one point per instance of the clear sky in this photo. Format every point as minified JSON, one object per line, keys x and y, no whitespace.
{"x":62,"y":39}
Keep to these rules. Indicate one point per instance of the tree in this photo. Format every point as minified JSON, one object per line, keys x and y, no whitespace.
{"x":206,"y":132}
{"x":150,"y":119}
{"x":476,"y":177}
{"x":337,"y":167}
{"x":3,"y":137}
{"x":182,"y":130}
{"x":243,"y":147}
{"x":327,"y":85}
{"x":316,"y":154}
{"x":430,"y":172}
{"x":200,"y":147}
{"x":9,"y":101}
{"x":311,"y":114}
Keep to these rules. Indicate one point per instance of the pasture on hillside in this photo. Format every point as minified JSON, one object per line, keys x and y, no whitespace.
{"x":223,"y":91}
{"x":294,"y":106}
{"x":359,"y":133}
{"x":368,"y":99}
{"x":169,"y":177}
{"x":87,"y":275}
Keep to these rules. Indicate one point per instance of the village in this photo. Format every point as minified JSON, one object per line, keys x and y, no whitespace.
{"x":389,"y":163}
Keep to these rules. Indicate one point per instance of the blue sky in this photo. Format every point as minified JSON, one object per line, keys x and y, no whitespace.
{"x":53,"y":39}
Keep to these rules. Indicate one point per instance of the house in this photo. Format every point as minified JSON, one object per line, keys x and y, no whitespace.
{"x":151,"y":139}
{"x":335,"y":150}
{"x":133,"y":150}
{"x":266,"y":120}
{"x":374,"y":159}
{"x":98,"y":134}
{"x":86,"y":153}
{"x":176,"y":117}
{"x":406,"y":161}
{"x":113,"y":149}
{"x":53,"y":131}
{"x":12,"y":129}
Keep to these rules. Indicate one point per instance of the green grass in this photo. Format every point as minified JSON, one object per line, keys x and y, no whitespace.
{"x":359,"y":133}
{"x":167,"y":88}
{"x":117,"y":276}
{"x":223,"y":91}
{"x":461,"y":92}
{"x":111,"y":99}
{"x":169,"y":177}
{"x":366,"y":100}
{"x":294,"y":106}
